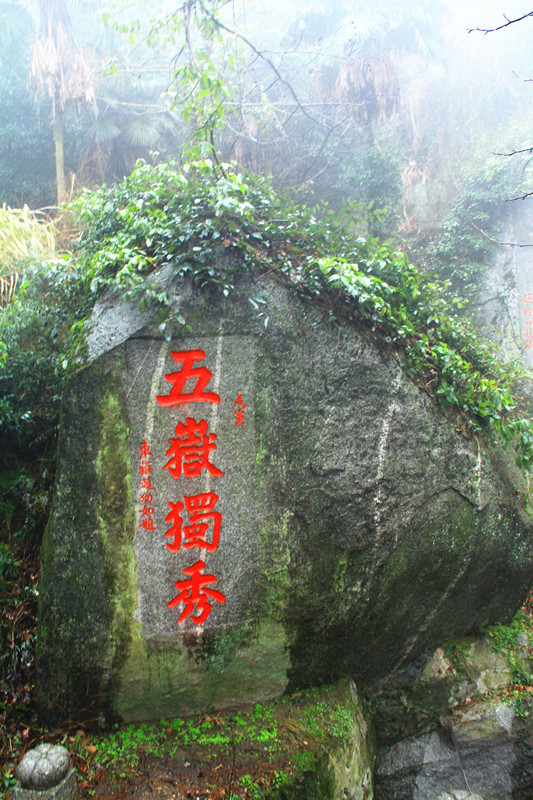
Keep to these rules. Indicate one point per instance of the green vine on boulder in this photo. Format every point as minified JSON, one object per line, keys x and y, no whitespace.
{"x":166,"y":215}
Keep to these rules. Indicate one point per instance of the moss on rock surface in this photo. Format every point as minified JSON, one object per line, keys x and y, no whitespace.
{"x":315,"y":744}
{"x":360,"y":528}
{"x":86,"y":583}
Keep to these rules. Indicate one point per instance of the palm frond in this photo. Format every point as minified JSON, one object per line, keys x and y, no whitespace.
{"x":370,"y":86}
{"x":141,"y":132}
{"x":103,"y":129}
{"x":59,"y":67}
{"x":16,"y":26}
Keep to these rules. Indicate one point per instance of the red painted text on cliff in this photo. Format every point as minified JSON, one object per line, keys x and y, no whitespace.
{"x":194,"y":594}
{"x":190,"y":454}
{"x":200,"y":510}
{"x":190,"y":450}
{"x":239,"y":407}
{"x":145,"y":471}
{"x":188,"y":372}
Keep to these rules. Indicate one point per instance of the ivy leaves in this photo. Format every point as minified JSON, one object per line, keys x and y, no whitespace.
{"x":183,"y":217}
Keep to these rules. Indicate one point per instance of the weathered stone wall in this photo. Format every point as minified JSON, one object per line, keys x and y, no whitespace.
{"x":504,"y":311}
{"x":484,"y":755}
{"x":360,"y":526}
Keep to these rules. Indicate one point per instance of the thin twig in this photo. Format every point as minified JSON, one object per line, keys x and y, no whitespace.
{"x":520,"y":197}
{"x":497,"y":241}
{"x":321,"y":149}
{"x":505,"y":24}
{"x":460,"y":759}
{"x":517,"y":152}
{"x":264,"y":58}
{"x":520,"y":77}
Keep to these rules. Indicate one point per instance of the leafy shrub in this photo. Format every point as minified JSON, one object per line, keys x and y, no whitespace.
{"x":8,"y":564}
{"x":161,"y":215}
{"x":38,"y":338}
{"x":465,"y":240}
{"x":373,"y":177}
{"x":504,"y":638}
{"x":23,"y":238}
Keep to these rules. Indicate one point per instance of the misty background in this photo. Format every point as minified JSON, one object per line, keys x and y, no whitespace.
{"x":390,"y":102}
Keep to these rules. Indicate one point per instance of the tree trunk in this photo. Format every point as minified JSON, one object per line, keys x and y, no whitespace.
{"x":57,"y":126}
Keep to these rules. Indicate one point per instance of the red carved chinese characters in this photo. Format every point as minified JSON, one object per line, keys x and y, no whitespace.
{"x":194,"y":595}
{"x":174,"y":516}
{"x":239,"y":407}
{"x":188,"y":373}
{"x":200,"y":509}
{"x":145,"y":469}
{"x":189,"y":456}
{"x":190,"y":451}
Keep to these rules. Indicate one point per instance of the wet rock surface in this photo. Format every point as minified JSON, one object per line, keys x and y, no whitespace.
{"x":360,"y":527}
{"x":488,"y":752}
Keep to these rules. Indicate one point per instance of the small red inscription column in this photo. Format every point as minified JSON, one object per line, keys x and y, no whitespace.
{"x":145,"y":471}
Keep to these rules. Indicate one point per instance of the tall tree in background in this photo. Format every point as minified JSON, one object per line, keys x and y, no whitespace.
{"x":292,"y":97}
{"x":59,"y":69}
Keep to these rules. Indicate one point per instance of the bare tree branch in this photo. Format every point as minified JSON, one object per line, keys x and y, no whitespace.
{"x":322,"y":147}
{"x":517,"y":152}
{"x":264,"y":58}
{"x":520,"y":77}
{"x":497,"y":241}
{"x":520,"y":197}
{"x":505,"y":24}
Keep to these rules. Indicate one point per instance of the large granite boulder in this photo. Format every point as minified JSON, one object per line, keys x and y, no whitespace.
{"x":487,"y":754}
{"x":359,"y":526}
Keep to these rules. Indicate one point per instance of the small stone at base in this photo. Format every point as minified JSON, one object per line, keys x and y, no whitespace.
{"x":44,"y":766}
{"x":66,"y":790}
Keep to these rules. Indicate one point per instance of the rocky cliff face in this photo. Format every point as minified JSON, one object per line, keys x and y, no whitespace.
{"x":485,"y":754}
{"x":359,"y":526}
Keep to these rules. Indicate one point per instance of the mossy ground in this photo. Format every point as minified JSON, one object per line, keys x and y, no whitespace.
{"x":281,"y":748}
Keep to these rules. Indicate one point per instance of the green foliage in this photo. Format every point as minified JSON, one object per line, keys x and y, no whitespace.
{"x":18,"y":596}
{"x":205,"y":105}
{"x":504,"y":638}
{"x":247,"y":783}
{"x":281,"y":742}
{"x":160,"y":216}
{"x":437,"y":343}
{"x":372,"y":176}
{"x":324,"y":717}
{"x":523,"y":703}
{"x":9,"y":566}
{"x":457,"y":651}
{"x":24,"y":239}
{"x":464,"y":243}
{"x":35,"y":338}
{"x":7,"y":779}
{"x":125,"y":746}
{"x":39,"y":342}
